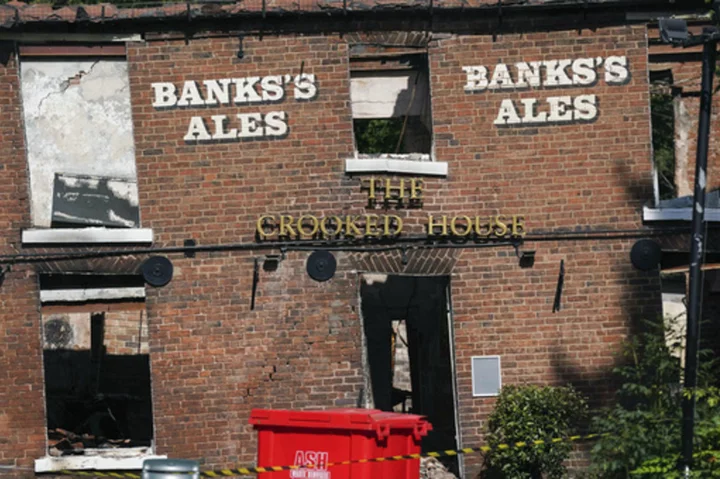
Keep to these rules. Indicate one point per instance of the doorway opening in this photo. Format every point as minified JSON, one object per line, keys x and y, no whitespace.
{"x":409,"y":345}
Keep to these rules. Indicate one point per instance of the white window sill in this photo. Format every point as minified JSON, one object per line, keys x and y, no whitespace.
{"x":677,"y":214}
{"x":94,"y":294}
{"x":98,"y":459}
{"x":391,"y":165}
{"x":67,"y":236}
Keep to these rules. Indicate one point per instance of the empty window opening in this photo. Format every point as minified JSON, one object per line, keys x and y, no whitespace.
{"x":390,"y":97}
{"x":409,"y":353}
{"x":97,"y":366}
{"x":662,"y":109}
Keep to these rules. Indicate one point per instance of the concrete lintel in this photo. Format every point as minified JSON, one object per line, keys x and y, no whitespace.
{"x":91,"y":294}
{"x":114,"y":459}
{"x":677,"y":214}
{"x":87,"y":236}
{"x":384,"y":165}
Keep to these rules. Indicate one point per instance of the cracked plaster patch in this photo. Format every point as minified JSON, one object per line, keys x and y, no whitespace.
{"x":78,"y":121}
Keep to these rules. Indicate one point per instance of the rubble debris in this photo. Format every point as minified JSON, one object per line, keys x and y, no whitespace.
{"x":69,"y":443}
{"x":431,"y":468}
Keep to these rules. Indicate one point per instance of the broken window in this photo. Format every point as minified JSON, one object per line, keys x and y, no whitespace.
{"x":390,"y":97}
{"x":97,"y":367}
{"x":78,"y":126}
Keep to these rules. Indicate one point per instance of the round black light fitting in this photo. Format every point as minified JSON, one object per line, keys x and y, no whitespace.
{"x":157,"y":271}
{"x":321,"y":265}
{"x":646,"y":255}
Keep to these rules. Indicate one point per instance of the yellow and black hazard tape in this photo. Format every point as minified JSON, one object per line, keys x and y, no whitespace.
{"x":243,"y":471}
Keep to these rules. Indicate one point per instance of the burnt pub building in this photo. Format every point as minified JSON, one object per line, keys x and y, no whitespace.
{"x":212,"y":207}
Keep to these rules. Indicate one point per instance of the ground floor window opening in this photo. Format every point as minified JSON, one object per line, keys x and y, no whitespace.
{"x":408,"y":340}
{"x":97,"y":368}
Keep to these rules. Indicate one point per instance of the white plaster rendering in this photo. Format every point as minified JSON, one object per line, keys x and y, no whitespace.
{"x":90,"y":294}
{"x":683,"y":126}
{"x":99,"y":459}
{"x":77,"y":121}
{"x":402,"y":166}
{"x":388,"y":94}
{"x":675,"y":318}
{"x":87,"y":235}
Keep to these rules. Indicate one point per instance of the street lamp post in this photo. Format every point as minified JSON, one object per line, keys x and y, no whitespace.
{"x":675,"y":31}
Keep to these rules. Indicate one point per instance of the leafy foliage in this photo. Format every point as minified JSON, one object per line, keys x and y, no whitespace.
{"x":378,"y":135}
{"x":642,"y":431}
{"x":527,"y":413}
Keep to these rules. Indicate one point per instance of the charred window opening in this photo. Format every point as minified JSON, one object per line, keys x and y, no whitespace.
{"x":81,"y":201}
{"x":390,"y":97}
{"x":409,"y":353}
{"x":97,"y":365}
{"x":662,"y":114}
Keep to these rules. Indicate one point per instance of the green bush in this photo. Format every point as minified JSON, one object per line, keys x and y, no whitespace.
{"x":641,"y":433}
{"x":528,"y":413}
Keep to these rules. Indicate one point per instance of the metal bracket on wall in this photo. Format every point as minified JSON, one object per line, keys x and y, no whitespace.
{"x":241,"y":50}
{"x":256,"y":280}
{"x":559,"y":288}
{"x":3,"y":271}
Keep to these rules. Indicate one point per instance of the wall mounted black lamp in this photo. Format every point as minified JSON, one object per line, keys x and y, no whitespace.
{"x":272,"y":261}
{"x":527,"y":258}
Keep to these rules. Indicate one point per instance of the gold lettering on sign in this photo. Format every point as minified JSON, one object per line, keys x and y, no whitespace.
{"x":465,"y":221}
{"x":394,"y":190}
{"x":389,"y":188}
{"x":431,"y":226}
{"x":261,"y":223}
{"x":286,"y":226}
{"x":351,"y":228}
{"x":301,"y":223}
{"x":416,"y":186}
{"x":462,"y":225}
{"x":371,"y":224}
{"x":393,"y":220}
{"x":335,"y":221}
{"x":518,"y":227}
{"x":500,"y":227}
{"x":404,"y":192}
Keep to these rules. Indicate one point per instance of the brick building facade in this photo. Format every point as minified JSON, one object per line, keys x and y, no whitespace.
{"x":537,"y":119}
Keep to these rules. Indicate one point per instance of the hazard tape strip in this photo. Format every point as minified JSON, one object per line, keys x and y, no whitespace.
{"x":243,"y":471}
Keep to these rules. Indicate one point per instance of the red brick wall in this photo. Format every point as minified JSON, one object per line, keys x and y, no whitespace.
{"x":22,"y":410}
{"x":213,"y":359}
{"x":571,"y":177}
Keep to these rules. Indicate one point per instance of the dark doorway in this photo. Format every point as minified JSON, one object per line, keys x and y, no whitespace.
{"x":409,"y":351}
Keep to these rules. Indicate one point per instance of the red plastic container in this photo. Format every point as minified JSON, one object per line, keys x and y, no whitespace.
{"x":317,"y":438}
